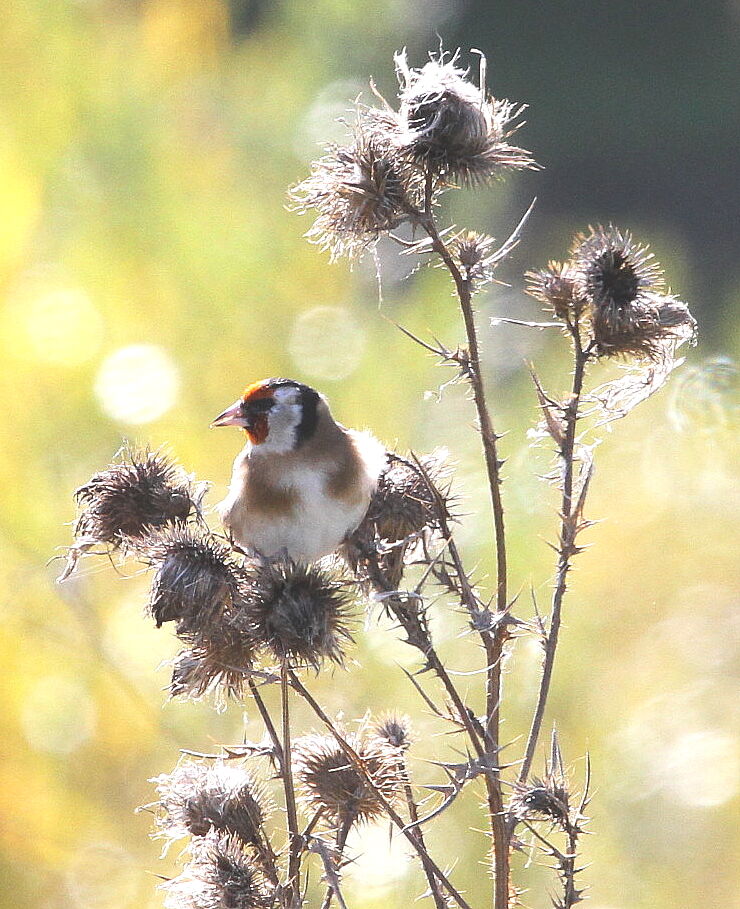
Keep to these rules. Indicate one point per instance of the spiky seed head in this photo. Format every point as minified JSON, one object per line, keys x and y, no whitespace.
{"x":221,"y":875}
{"x":408,"y":500}
{"x":557,"y":288}
{"x":120,"y":504}
{"x":299,"y":611}
{"x":197,"y":581}
{"x":631,"y":312}
{"x":395,"y":729}
{"x":358,"y":191}
{"x":217,"y":660}
{"x":451,"y":126}
{"x":472,"y":251}
{"x":330,"y":782}
{"x":197,"y":798}
{"x":546,"y":799}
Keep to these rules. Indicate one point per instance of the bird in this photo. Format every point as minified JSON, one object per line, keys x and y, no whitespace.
{"x":303,"y":482}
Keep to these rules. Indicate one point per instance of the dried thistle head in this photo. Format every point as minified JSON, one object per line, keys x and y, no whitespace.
{"x":409,"y":499}
{"x":544,"y":799}
{"x":197,"y":798}
{"x":218,"y":660}
{"x":451,"y":126}
{"x":300,"y":611}
{"x":119,"y":505}
{"x":395,"y":729}
{"x":330,"y":782}
{"x":631,"y":313}
{"x":472,"y":252}
{"x":221,"y":875}
{"x":358,"y":191}
{"x":557,"y":288}
{"x":197,"y":581}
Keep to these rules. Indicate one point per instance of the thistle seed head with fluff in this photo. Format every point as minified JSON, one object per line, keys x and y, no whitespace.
{"x":546,"y":799}
{"x":219,"y":659}
{"x":452,"y":126}
{"x":358,"y":191}
{"x":197,"y":580}
{"x":119,"y":505}
{"x":630,"y":311}
{"x":395,"y":729}
{"x":557,"y":288}
{"x":330,"y":782}
{"x":221,"y":875}
{"x":197,"y":798}
{"x":299,"y":611}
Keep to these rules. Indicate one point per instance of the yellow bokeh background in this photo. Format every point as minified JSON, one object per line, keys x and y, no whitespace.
{"x":148,"y":271}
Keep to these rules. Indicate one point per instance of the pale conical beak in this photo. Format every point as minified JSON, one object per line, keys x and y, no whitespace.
{"x":232,"y":416}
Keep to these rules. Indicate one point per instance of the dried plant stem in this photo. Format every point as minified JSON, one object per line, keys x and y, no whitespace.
{"x":493,"y":644}
{"x":566,"y":549}
{"x":341,"y":842}
{"x":434,"y":888}
{"x":267,"y":720}
{"x":295,"y":839}
{"x":387,"y":807}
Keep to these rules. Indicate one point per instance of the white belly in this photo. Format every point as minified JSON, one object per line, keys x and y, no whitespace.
{"x":314,"y":527}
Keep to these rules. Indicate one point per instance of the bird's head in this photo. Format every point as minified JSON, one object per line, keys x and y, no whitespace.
{"x":277,"y":414}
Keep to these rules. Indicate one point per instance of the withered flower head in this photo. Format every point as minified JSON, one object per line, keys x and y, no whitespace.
{"x":299,"y":611}
{"x":217,"y":660}
{"x":197,"y":580}
{"x":395,"y":729}
{"x":452,"y":126}
{"x":557,"y":288}
{"x":197,"y":798}
{"x":408,"y":500}
{"x":472,"y":252}
{"x":221,"y":875}
{"x":331,"y":783}
{"x":141,"y":490}
{"x":543,"y":798}
{"x":630,"y":311}
{"x":359,"y":191}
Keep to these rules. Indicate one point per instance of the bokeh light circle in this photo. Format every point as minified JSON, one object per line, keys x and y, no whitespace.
{"x":137,"y":384}
{"x":327,"y":343}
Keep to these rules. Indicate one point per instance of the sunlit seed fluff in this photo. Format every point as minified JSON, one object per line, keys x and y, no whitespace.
{"x":557,"y":288}
{"x":300,"y":611}
{"x":221,"y":875}
{"x":198,"y":797}
{"x":197,"y":581}
{"x":452,"y":126}
{"x":330,"y":782}
{"x":141,"y":490}
{"x":358,"y":191}
{"x":631,"y":313}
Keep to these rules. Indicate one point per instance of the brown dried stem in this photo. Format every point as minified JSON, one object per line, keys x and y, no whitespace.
{"x":569,"y":526}
{"x":293,"y":889}
{"x":493,"y":643}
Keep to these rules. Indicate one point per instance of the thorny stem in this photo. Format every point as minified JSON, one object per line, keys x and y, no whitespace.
{"x":341,"y":842}
{"x":267,"y":720}
{"x":295,"y":839}
{"x":439,"y":900}
{"x":493,"y":644}
{"x":567,"y":548}
{"x":387,"y":807}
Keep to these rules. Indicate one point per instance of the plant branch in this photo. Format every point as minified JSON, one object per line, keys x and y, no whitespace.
{"x":295,"y":844}
{"x":569,"y":526}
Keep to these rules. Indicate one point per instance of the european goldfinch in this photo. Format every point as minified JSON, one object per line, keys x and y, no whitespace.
{"x":302,"y":482}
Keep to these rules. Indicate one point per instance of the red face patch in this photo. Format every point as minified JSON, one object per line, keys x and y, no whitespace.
{"x":255,"y":391}
{"x":258,"y":429}
{"x":258,"y":425}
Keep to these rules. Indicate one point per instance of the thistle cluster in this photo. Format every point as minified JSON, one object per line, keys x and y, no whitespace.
{"x":446,"y":129}
{"x":613,"y":289}
{"x":223,"y":811}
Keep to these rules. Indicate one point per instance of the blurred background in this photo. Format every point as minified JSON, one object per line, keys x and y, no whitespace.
{"x":149,"y":270}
